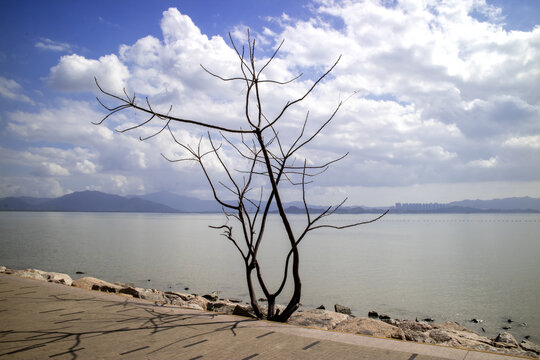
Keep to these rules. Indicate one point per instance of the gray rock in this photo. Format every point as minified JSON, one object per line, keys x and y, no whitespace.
{"x":450,"y":325}
{"x":197,"y":302}
{"x":420,"y":326}
{"x":92,"y":283}
{"x":277,"y":307}
{"x":505,"y":340}
{"x":322,"y":319}
{"x":373,"y":314}
{"x":184,"y":297}
{"x":417,"y":336}
{"x":342,"y":309}
{"x":321,"y":307}
{"x":129,"y":290}
{"x":242,"y":310}
{"x":440,"y":336}
{"x":212,"y":297}
{"x":60,"y":278}
{"x":222,"y":306}
{"x":194,"y":306}
{"x":529,"y":346}
{"x":152,"y":295}
{"x":384,"y":317}
{"x":393,"y":322}
{"x":174,"y":299}
{"x":36,"y":274}
{"x":372,"y":327}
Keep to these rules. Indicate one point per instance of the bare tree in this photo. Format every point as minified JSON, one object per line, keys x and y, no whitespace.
{"x":269,"y":164}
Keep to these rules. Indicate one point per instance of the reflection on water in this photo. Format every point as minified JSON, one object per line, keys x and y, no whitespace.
{"x":448,"y":267}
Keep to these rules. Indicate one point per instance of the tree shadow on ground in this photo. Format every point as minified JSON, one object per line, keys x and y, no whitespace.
{"x":104,"y":321}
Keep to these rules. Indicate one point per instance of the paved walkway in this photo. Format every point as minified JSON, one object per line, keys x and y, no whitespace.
{"x":40,"y":320}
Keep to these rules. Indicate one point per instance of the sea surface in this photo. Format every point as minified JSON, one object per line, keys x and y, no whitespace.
{"x":447,"y":267}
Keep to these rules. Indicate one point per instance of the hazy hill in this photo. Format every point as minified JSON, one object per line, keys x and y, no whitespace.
{"x":94,"y":201}
{"x":13,"y":203}
{"x":181,"y":202}
{"x":515,"y":203}
{"x":166,"y":202}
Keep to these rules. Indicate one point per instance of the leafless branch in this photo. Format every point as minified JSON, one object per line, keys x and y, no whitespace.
{"x":263,"y":160}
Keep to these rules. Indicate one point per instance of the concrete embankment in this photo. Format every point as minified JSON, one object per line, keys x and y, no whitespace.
{"x":43,"y":317}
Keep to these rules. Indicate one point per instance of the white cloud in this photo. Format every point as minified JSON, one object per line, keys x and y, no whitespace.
{"x":52,"y":45}
{"x":86,"y":167}
{"x":442,"y":97}
{"x":52,"y":169}
{"x":76,"y":73}
{"x":11,"y":89}
{"x":119,"y":180}
{"x":532,"y":141}
{"x":488,"y":163}
{"x":31,"y":186}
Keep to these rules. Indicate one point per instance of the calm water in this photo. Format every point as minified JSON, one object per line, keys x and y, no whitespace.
{"x":448,"y":267}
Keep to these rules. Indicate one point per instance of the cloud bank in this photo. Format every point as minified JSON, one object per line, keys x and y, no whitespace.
{"x":443,"y":95}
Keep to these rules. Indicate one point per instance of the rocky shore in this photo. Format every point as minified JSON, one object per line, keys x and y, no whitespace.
{"x":379,"y":325}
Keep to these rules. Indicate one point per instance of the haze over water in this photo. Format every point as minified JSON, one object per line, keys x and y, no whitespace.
{"x":447,"y":267}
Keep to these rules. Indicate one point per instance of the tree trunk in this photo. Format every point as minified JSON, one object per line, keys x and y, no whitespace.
{"x":252,"y":295}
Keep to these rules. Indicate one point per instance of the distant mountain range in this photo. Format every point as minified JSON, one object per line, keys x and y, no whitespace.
{"x":166,"y":202}
{"x":89,"y":201}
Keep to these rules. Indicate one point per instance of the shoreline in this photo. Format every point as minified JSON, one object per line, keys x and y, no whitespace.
{"x":450,"y":334}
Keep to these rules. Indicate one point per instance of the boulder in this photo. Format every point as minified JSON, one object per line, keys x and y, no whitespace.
{"x":393,"y":322}
{"x":212,"y":297}
{"x":36,"y":274}
{"x":92,"y":283}
{"x":175,"y":300}
{"x":2,"y":269}
{"x":450,"y":325}
{"x":243,"y":310}
{"x":505,"y":340}
{"x":529,"y":346}
{"x":420,"y":326}
{"x":342,"y":309}
{"x":197,"y":302}
{"x":129,"y":290}
{"x":367,"y":326}
{"x":277,"y":308}
{"x":322,"y":319}
{"x":416,"y":331}
{"x":321,"y":307}
{"x":222,"y":306}
{"x":184,"y":297}
{"x":60,"y":278}
{"x":31,"y":274}
{"x":440,"y":336}
{"x":373,"y":314}
{"x":384,"y":317}
{"x":193,"y":306}
{"x":152,"y":295}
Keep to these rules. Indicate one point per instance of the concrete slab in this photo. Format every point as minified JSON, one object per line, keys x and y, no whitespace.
{"x":40,"y":320}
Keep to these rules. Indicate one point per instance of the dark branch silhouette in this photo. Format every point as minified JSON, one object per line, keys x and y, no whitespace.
{"x":262,"y":158}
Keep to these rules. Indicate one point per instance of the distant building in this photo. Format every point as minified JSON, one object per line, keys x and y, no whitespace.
{"x":419,"y":206}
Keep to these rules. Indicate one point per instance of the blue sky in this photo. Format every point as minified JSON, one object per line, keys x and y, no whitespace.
{"x":447,"y":103}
